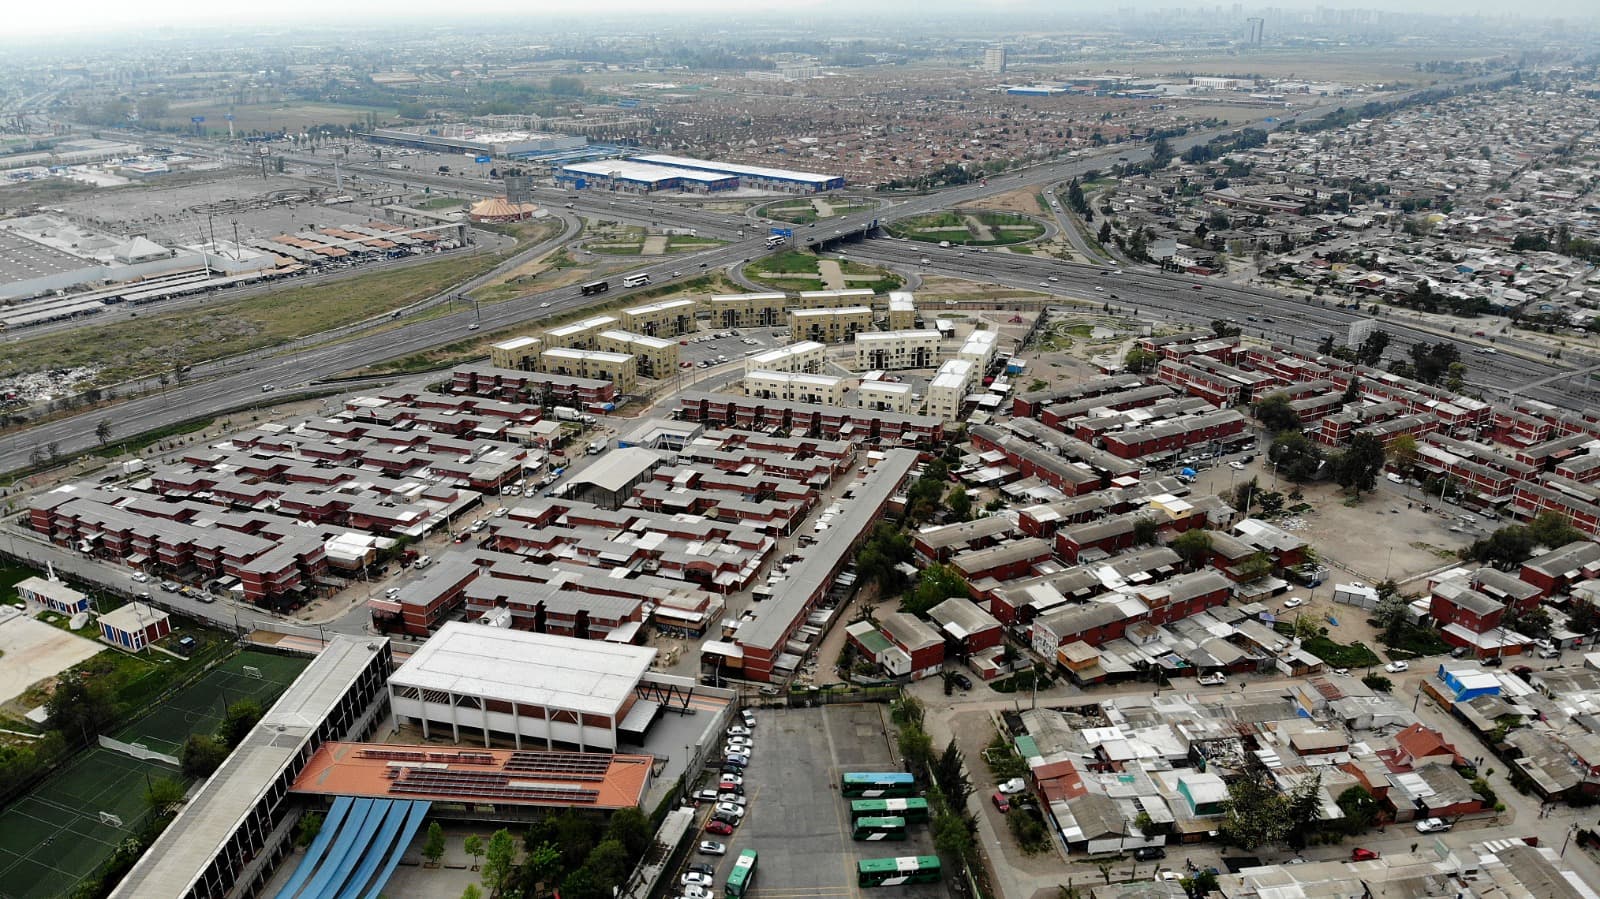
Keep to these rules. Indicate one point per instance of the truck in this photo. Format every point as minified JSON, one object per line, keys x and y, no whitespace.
{"x":597,"y":446}
{"x":567,"y":413}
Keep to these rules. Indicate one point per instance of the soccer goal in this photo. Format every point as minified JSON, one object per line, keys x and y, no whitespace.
{"x":251,"y":671}
{"x":111,"y":819}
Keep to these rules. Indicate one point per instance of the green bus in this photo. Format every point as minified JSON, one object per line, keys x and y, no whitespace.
{"x":743,"y":875}
{"x":888,"y":872}
{"x":877,"y":785}
{"x":879,"y":829}
{"x":914,"y":810}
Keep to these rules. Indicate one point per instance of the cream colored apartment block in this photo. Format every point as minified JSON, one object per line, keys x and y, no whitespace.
{"x":829,"y":325}
{"x":894,"y":350}
{"x":902,"y":311}
{"x":656,"y":356}
{"x":884,"y":396}
{"x":980,"y":348}
{"x":520,"y":353}
{"x":580,"y":335}
{"x":805,"y":356}
{"x":748,"y":310}
{"x":668,"y":318}
{"x":796,"y":387}
{"x":833,"y":299}
{"x":620,"y":369}
{"x":949,"y":388}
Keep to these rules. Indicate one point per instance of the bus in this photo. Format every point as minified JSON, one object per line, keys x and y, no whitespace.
{"x":877,"y":785}
{"x":879,"y":829}
{"x":638,"y":280}
{"x":888,"y":872}
{"x":743,"y":875}
{"x":776,"y":240}
{"x":594,"y":287}
{"x":914,"y":809}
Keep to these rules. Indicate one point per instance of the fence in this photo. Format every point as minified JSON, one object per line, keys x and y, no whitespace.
{"x":801,"y":699}
{"x":138,"y":750}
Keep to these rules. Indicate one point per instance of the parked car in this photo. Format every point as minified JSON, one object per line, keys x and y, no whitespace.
{"x":712,"y":847}
{"x":1362,"y":855}
{"x":1013,"y":786}
{"x":1001,"y":802}
{"x":720,"y":828}
{"x":705,"y":868}
{"x":738,"y":731}
{"x":1214,"y":680}
{"x":1294,"y":602}
{"x":1149,"y":853}
{"x":733,"y":779}
{"x":730,"y":809}
{"x":140,"y":577}
{"x":696,"y":879}
{"x":1433,"y":825}
{"x":705,"y":796}
{"x":749,"y":718}
{"x":729,"y":820}
{"x":732,"y":799}
{"x":696,"y":892}
{"x":736,"y":760}
{"x":726,"y":788}
{"x":1396,"y":667}
{"x":962,"y":681}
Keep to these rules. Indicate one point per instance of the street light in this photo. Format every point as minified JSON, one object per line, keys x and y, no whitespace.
{"x":1570,"y":831}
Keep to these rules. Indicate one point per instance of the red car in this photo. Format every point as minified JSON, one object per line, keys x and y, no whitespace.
{"x":719,"y":828}
{"x":1362,"y":855}
{"x":1001,"y":802}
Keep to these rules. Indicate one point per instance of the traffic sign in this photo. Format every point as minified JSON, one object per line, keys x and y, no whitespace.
{"x":228,"y":117}
{"x":783,"y":232}
{"x":197,"y":119}
{"x":484,"y":159}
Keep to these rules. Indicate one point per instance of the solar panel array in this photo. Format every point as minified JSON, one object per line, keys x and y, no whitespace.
{"x":463,"y":757}
{"x":559,"y":765}
{"x":486,"y":785}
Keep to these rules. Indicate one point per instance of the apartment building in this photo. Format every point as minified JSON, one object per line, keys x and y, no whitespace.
{"x":656,"y":357}
{"x":796,"y":387}
{"x":949,"y":388}
{"x":830,"y":325}
{"x":581,"y":335}
{"x":620,"y":369}
{"x":884,"y":396}
{"x":980,"y":348}
{"x":520,"y":353}
{"x":833,"y":299}
{"x":511,"y":385}
{"x":748,"y":310}
{"x":668,"y":318}
{"x":902,"y":311}
{"x":895,"y":350}
{"x":803,"y":356}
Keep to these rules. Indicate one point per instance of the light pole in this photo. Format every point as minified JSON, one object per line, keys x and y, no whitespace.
{"x":1570,"y":831}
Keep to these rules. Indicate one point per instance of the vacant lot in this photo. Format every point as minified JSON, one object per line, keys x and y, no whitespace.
{"x":970,"y":228}
{"x":806,"y":211}
{"x":293,"y":115}
{"x":31,"y":651}
{"x":1352,"y":65}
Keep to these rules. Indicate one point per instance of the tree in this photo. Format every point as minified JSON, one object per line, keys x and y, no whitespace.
{"x":78,"y":710}
{"x":1371,"y":350}
{"x":202,"y":754}
{"x":952,"y":836}
{"x":1325,"y":346}
{"x":1297,"y":458}
{"x":950,"y":771}
{"x":1551,"y":528}
{"x":1253,"y":814}
{"x":935,"y":584}
{"x":1105,"y":233}
{"x":1145,"y":531}
{"x":473,"y":891}
{"x":609,"y":862}
{"x":916,"y":747}
{"x":473,"y":846}
{"x":1276,"y":414}
{"x":1193,"y":546}
{"x":307,"y":828}
{"x":1391,"y":615}
{"x":1221,"y":328}
{"x":1360,"y":463}
{"x":631,"y":827}
{"x":241,"y":718}
{"x":541,"y":866}
{"x":497,"y":861}
{"x":566,"y":86}
{"x":163,"y":792}
{"x":1140,"y":360}
{"x":1403,"y":452}
{"x":960,"y":504}
{"x":1254,"y":567}
{"x":1161,"y":153}
{"x":102,"y":431}
{"x":433,"y":846}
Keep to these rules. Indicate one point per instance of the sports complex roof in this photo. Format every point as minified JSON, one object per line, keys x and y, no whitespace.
{"x":533,"y":669}
{"x":734,"y":168}
{"x":632,"y":170}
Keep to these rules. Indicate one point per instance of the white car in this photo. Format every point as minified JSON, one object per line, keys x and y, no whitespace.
{"x":544,"y":305}
{"x":1214,"y":680}
{"x":1293,"y":602}
{"x":712,"y":847}
{"x":734,"y":798}
{"x":1433,"y":825}
{"x":741,"y":739}
{"x":749,"y":718}
{"x":738,"y":731}
{"x":729,"y":809}
{"x":734,"y":779}
{"x":392,"y":592}
{"x":1236,"y":465}
{"x":696,"y":879}
{"x":1396,"y":667}
{"x":1013,"y":786}
{"x":694,"y":892}
{"x":141,"y":577}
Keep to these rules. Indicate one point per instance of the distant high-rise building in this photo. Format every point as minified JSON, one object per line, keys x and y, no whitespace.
{"x":994,"y":60}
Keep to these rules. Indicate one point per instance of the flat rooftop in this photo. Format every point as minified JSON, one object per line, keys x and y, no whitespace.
{"x":756,"y":171}
{"x":629,"y":170}
{"x":520,"y":666}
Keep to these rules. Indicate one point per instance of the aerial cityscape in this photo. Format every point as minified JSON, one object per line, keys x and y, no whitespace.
{"x":994,"y":450}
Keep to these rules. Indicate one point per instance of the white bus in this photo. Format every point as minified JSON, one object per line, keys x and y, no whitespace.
{"x":638,"y":280}
{"x":776,"y":240}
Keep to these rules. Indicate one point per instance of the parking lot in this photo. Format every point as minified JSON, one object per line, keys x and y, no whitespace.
{"x":707,"y":346}
{"x":796,"y":818}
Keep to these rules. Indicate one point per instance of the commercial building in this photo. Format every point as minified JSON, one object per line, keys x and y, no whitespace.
{"x":896,"y":350}
{"x":621,"y":369}
{"x":902,"y":311}
{"x":751,"y":176}
{"x":803,"y":356}
{"x":466,"y":138}
{"x":656,"y":357}
{"x":492,"y":682}
{"x":668,"y":318}
{"x":830,"y":325}
{"x":520,"y":353}
{"x":748,"y":310}
{"x":796,"y":387}
{"x":884,"y":396}
{"x":641,"y":177}
{"x":948,"y":390}
{"x":581,"y":335}
{"x":994,"y":60}
{"x":234,"y":827}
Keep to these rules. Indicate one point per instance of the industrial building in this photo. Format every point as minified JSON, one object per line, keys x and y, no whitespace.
{"x":895,"y":350}
{"x":519,"y":685}
{"x":641,"y":177}
{"x":830,"y":325}
{"x":656,"y":358}
{"x":804,"y":356}
{"x":620,"y":369}
{"x":668,"y":318}
{"x":796,"y":386}
{"x":466,"y":138}
{"x":748,"y":310}
{"x":752,"y":176}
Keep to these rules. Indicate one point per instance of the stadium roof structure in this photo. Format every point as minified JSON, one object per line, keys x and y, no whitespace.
{"x":645,"y":172}
{"x":734,"y":168}
{"x":587,"y":676}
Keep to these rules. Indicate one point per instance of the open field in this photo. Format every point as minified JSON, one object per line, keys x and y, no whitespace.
{"x":1023,"y":200}
{"x":794,"y":270}
{"x":161,"y":342}
{"x":31,"y":651}
{"x":970,"y":228}
{"x":291,"y":115}
{"x":806,"y":211}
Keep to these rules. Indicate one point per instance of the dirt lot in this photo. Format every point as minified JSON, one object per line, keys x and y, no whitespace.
{"x":1023,"y":201}
{"x":33,"y":651}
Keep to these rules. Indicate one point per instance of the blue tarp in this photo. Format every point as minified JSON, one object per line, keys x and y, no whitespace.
{"x":419,"y":810}
{"x":374,"y":853}
{"x":347,"y":850}
{"x":330,"y":826}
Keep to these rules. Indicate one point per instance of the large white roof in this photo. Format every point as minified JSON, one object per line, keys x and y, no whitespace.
{"x":521,"y":666}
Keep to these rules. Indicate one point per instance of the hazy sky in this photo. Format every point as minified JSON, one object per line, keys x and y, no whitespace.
{"x":36,"y":17}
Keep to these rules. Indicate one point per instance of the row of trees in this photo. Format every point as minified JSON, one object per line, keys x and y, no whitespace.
{"x":1510,"y":546}
{"x":204,"y":753}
